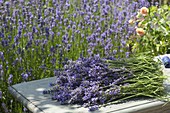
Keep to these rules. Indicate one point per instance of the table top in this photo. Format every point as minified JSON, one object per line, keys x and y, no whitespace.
{"x":30,"y":95}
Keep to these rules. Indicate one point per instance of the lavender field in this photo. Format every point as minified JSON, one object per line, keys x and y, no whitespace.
{"x":39,"y":36}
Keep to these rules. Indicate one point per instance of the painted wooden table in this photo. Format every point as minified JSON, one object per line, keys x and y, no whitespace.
{"x":30,"y":95}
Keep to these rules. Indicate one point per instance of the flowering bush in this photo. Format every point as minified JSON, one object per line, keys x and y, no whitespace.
{"x":152,"y":29}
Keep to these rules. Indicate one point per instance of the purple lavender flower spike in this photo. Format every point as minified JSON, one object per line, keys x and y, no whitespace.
{"x":4,"y":107}
{"x":1,"y":67}
{"x":127,"y":54}
{"x":1,"y":1}
{"x":10,"y":78}
{"x":24,"y":76}
{"x":0,"y":94}
{"x":93,"y":108}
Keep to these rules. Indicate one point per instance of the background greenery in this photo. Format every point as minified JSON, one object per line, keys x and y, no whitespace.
{"x":157,"y":31}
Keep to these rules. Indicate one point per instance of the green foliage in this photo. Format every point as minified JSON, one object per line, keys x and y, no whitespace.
{"x":157,"y":31}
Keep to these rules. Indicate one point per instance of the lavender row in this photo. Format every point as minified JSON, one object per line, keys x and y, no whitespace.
{"x":38,"y":36}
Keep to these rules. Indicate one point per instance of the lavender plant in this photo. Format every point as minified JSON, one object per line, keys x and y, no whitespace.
{"x":38,"y":36}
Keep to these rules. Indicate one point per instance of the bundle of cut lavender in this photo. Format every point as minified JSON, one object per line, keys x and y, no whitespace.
{"x":95,"y":82}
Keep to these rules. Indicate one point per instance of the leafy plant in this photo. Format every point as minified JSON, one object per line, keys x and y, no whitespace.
{"x":152,"y":31}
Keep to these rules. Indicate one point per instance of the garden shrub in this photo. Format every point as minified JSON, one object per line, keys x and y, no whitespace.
{"x":152,"y":31}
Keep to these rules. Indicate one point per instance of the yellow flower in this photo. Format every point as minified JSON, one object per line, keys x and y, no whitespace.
{"x":140,"y":31}
{"x":144,"y":11}
{"x":140,"y":23}
{"x":131,"y":21}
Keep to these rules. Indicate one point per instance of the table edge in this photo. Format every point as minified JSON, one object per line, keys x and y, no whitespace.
{"x":19,"y":97}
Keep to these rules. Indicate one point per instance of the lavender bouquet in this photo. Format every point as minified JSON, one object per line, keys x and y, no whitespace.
{"x":95,"y":82}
